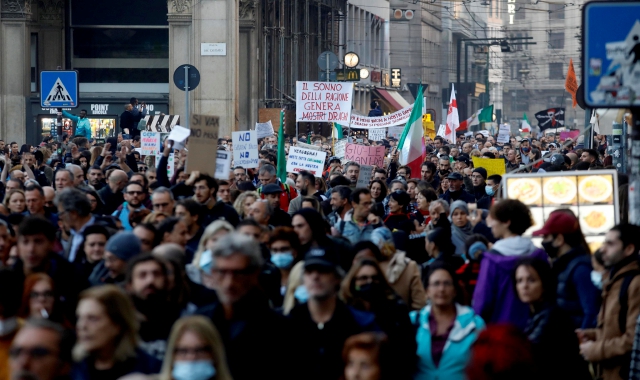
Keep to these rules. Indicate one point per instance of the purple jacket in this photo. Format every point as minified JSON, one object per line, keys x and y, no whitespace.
{"x":495,"y":298}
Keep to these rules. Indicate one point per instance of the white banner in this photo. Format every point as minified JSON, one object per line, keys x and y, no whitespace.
{"x":245,"y":149}
{"x":442,"y":130}
{"x":397,"y":118}
{"x":377,"y":134}
{"x":324,"y":101}
{"x":503,"y":134}
{"x":305,"y":159}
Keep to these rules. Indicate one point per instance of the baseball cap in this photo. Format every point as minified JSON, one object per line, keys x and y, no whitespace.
{"x":559,"y":222}
{"x":271,"y":188}
{"x":464,"y":158}
{"x":318,"y":257}
{"x":455,"y":176}
{"x":556,"y":159}
{"x":334,"y":158}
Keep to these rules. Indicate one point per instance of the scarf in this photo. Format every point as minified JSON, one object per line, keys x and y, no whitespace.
{"x":460,"y":234}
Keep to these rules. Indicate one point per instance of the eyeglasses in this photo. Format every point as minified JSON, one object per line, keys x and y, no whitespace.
{"x":221,"y":273}
{"x":160,"y":205}
{"x":46,"y":294}
{"x":436,"y":284}
{"x":135,"y":192}
{"x":374,"y":278}
{"x":35,"y":353}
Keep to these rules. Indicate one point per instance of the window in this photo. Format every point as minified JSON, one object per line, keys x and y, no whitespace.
{"x":556,"y":70}
{"x":556,"y":11}
{"x":556,"y":40}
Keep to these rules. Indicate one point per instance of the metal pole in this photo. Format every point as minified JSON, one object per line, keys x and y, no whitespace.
{"x":634,"y":164}
{"x":186,"y":97}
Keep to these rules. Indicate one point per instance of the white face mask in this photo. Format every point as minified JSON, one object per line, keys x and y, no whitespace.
{"x":596,"y":278}
{"x":7,"y":326}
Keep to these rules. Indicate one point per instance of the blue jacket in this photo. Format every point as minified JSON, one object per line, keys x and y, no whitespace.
{"x":83,"y":125}
{"x":352,"y":232}
{"x":457,"y":351}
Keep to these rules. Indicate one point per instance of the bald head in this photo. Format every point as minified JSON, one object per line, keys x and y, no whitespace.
{"x":118,"y":179}
{"x":78,"y":174}
{"x":170,"y":251}
{"x":49,"y":195}
{"x":573,"y":157}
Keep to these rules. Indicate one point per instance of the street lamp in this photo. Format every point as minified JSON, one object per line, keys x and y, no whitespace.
{"x":351,"y":60}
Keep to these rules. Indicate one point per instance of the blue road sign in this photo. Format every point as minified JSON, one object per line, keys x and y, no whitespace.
{"x":611,"y":46}
{"x":59,"y":89}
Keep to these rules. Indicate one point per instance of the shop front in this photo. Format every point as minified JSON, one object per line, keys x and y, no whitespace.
{"x":102,"y":112}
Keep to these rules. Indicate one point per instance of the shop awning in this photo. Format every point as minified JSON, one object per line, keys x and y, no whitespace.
{"x":392,"y":99}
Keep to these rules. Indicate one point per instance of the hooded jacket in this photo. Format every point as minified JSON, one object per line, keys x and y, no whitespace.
{"x":494,"y":298}
{"x":457,"y":350}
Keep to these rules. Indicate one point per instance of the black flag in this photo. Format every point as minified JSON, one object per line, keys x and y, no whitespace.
{"x":551,"y":118}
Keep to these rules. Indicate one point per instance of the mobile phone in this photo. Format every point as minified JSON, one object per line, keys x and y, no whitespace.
{"x":59,"y":151}
{"x":114,"y":144}
{"x":359,"y":140}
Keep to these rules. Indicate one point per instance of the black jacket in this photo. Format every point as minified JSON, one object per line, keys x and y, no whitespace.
{"x":280,"y":218}
{"x":458,"y":195}
{"x":318,"y":349}
{"x":111,"y":201}
{"x":129,"y":120}
{"x":255,"y":340}
{"x":555,"y":345}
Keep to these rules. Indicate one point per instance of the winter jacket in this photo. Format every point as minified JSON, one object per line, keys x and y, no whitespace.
{"x":404,"y":277}
{"x":576,"y":294}
{"x":494,"y":298}
{"x":255,"y":331}
{"x":141,"y":363}
{"x":318,"y":349}
{"x":83,"y":125}
{"x":555,"y":345}
{"x":458,"y":195}
{"x":612,"y":348}
{"x":457,"y":351}
{"x":352,"y":231}
{"x":286,"y":196}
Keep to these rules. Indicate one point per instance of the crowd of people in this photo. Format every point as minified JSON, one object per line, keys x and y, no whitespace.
{"x":111,"y":269}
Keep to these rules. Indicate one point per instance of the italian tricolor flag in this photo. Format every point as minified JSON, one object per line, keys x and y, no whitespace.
{"x":526,"y":127}
{"x":411,"y":142}
{"x":483,"y":115}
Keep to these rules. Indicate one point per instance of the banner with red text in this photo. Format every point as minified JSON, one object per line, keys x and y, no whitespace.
{"x":324,"y":102}
{"x":390,"y":120}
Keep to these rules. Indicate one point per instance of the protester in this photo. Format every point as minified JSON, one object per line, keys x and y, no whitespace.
{"x":446,"y":330}
{"x":550,"y":330}
{"x":195,"y":351}
{"x":107,"y":331}
{"x":367,"y":357}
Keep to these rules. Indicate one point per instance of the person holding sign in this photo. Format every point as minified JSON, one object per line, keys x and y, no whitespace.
{"x":306,"y":185}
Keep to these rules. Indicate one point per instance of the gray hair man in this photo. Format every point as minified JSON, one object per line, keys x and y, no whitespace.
{"x":162,"y":200}
{"x":242,"y":311}
{"x":261,"y":211}
{"x":78,"y":174}
{"x":352,"y":171}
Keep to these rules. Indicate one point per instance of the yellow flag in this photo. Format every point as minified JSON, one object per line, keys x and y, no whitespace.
{"x":491,"y":165}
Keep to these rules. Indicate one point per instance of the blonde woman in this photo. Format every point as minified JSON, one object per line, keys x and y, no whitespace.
{"x":195,"y":352}
{"x":107,"y":331}
{"x":199,"y":271}
{"x":15,"y":201}
{"x":244,"y":201}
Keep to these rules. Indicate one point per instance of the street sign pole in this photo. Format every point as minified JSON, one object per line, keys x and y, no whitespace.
{"x":186,"y":97}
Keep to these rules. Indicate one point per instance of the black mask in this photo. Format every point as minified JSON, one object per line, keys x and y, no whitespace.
{"x":369,"y":291}
{"x":444,"y":172}
{"x":551,"y":250}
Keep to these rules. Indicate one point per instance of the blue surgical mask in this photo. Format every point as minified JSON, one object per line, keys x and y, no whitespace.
{"x":282,"y":260}
{"x":301,"y":294}
{"x":489,"y":190}
{"x":596,"y":278}
{"x":193,"y":370}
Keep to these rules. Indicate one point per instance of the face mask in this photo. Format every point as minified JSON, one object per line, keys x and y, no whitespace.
{"x":301,"y":294}
{"x":551,"y":250}
{"x":489,"y":190}
{"x":193,"y":370}
{"x":282,"y":260}
{"x":526,"y":150}
{"x":368,"y":291}
{"x":596,"y":278}
{"x":7,"y":326}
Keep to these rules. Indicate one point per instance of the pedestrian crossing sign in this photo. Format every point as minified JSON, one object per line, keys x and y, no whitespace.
{"x":59,"y":89}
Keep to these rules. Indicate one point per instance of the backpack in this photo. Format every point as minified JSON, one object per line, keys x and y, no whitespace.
{"x":142,"y":125}
{"x":623,"y":299}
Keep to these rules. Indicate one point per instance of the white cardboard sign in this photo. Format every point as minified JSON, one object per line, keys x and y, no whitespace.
{"x":324,"y":101}
{"x":264,"y":129}
{"x":223,"y":164}
{"x":377,"y":134}
{"x":306,"y":159}
{"x":149,"y":143}
{"x":245,"y":149}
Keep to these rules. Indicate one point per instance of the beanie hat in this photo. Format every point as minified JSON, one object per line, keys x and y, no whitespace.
{"x":482,"y":171}
{"x":124,"y":245}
